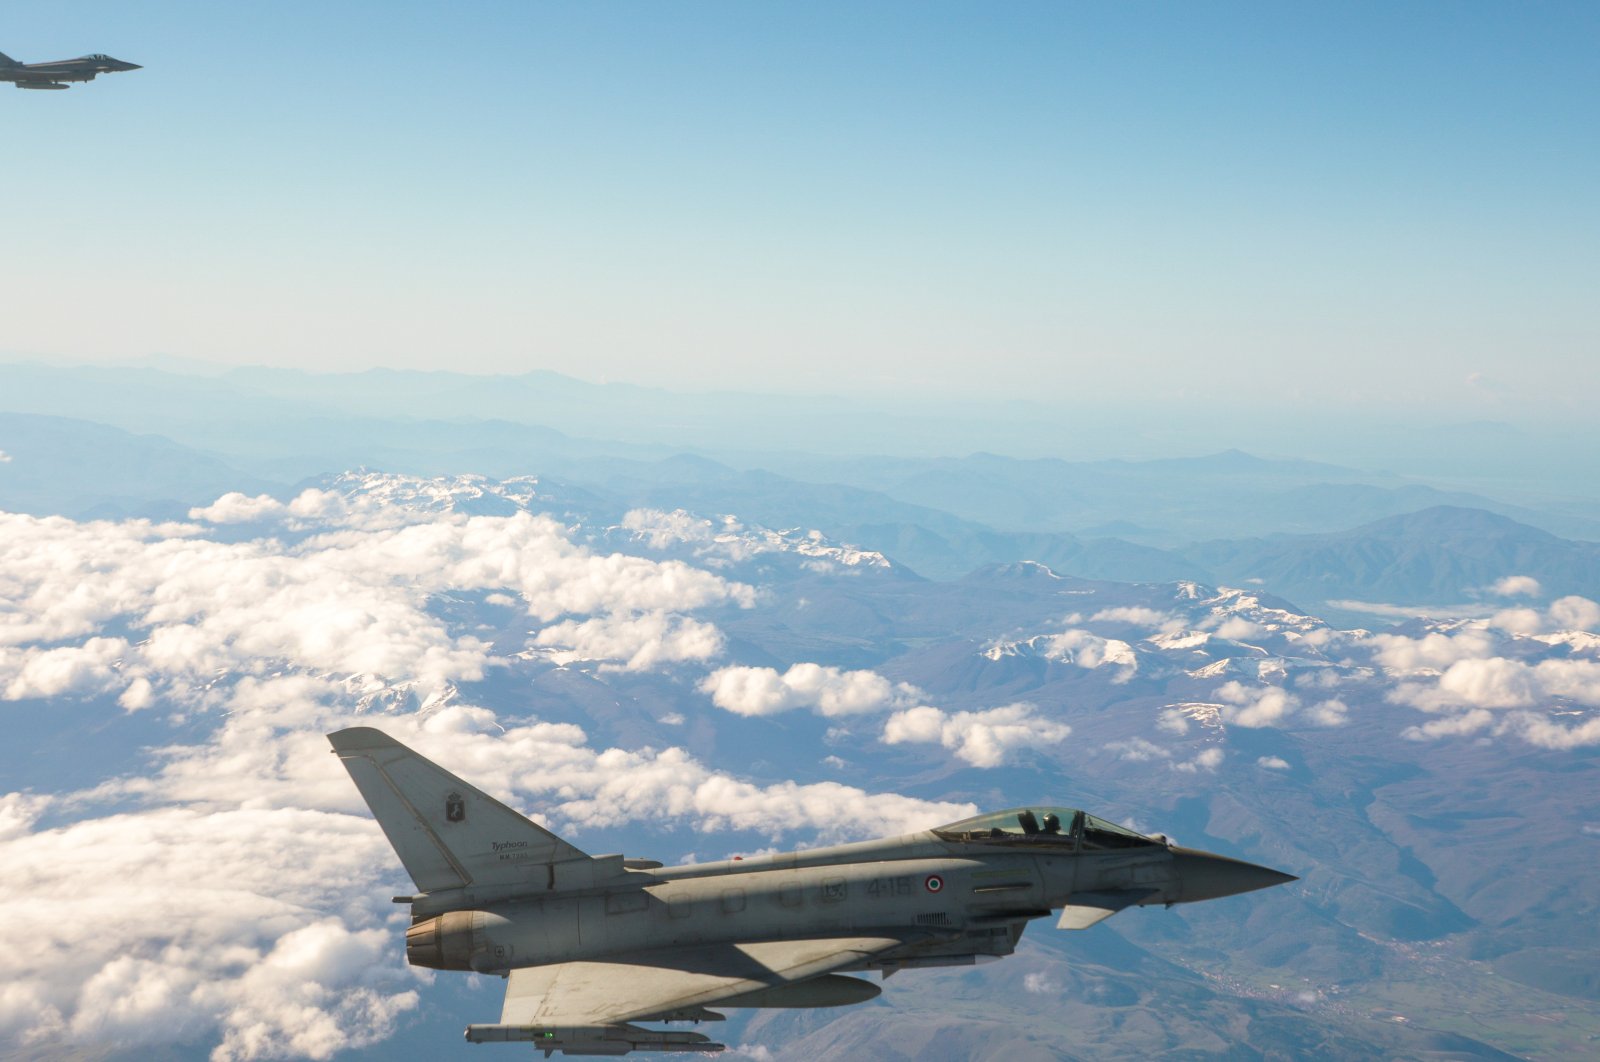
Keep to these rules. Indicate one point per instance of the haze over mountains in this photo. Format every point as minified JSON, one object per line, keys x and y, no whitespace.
{"x":254,"y":412}
{"x":1388,"y":686}
{"x":1229,"y":515}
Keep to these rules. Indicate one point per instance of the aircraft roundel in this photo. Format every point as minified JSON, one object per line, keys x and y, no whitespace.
{"x":934,"y":883}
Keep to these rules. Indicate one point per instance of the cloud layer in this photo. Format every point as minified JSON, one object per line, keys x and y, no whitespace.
{"x":235,"y":894}
{"x":258,"y":925}
{"x":353,"y":598}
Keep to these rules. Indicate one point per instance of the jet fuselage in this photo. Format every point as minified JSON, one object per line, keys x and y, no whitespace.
{"x":53,"y":75}
{"x":962,"y":900}
{"x":591,"y":945}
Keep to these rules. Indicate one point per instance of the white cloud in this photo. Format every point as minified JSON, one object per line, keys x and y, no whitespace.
{"x":829,"y":691}
{"x":1271,"y":706}
{"x":580,"y":786}
{"x":1040,"y":984}
{"x":1518,"y":620}
{"x":915,"y":725}
{"x":1322,"y":678}
{"x":640,"y":642}
{"x":5,"y":458}
{"x":661,"y":530}
{"x":750,"y":691}
{"x":1516,"y":586}
{"x":1136,"y":615}
{"x":1256,"y":706}
{"x":1090,"y":651}
{"x":1503,"y":696}
{"x":1536,"y":728}
{"x":349,"y":600}
{"x":1467,"y":723}
{"x":1571,"y":613}
{"x":1542,"y":731}
{"x":177,"y":925}
{"x":1237,"y":628}
{"x":1575,"y":613}
{"x":983,"y":739}
{"x":1492,"y":683}
{"x":237,"y":508}
{"x":1485,"y":679}
{"x":19,"y":811}
{"x":1137,"y":750}
{"x":1207,"y":760}
{"x":1272,"y":763}
{"x":1436,"y":612}
{"x":1331,"y":712}
{"x":574,"y":785}
{"x":1499,"y":682}
{"x":1432,"y":652}
{"x":69,"y":669}
{"x":1573,"y":680}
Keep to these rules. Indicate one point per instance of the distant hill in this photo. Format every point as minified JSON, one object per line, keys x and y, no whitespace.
{"x":286,"y":425}
{"x":1168,"y":502}
{"x":932,"y":543}
{"x":61,"y":466}
{"x":1441,"y":555}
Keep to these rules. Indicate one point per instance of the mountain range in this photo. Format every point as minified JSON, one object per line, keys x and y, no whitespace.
{"x":1386,"y":687}
{"x":1441,"y":555}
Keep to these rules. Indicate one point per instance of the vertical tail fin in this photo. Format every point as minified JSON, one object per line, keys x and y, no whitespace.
{"x":446,"y":832}
{"x":6,"y":60}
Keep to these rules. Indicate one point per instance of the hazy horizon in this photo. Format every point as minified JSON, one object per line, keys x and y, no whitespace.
{"x":243,"y":409}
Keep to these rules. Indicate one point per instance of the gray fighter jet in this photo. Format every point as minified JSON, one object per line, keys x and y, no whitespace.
{"x":592,"y":944}
{"x":51,"y":75}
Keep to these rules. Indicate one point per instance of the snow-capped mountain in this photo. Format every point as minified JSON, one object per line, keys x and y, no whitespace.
{"x":683,"y":684}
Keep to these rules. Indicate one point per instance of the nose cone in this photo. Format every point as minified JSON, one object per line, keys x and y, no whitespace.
{"x":1205,"y":876}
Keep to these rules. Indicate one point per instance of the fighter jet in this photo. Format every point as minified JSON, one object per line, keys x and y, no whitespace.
{"x":51,"y":75}
{"x":590,"y":945}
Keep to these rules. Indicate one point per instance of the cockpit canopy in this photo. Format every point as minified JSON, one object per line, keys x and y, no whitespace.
{"x":1061,"y":828}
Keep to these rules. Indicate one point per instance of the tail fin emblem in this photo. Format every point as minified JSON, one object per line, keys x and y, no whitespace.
{"x":455,"y":809}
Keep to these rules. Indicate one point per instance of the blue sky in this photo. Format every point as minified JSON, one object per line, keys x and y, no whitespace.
{"x":1386,"y":206}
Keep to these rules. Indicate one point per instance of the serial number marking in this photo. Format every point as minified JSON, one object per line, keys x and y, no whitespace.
{"x":889,"y":888}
